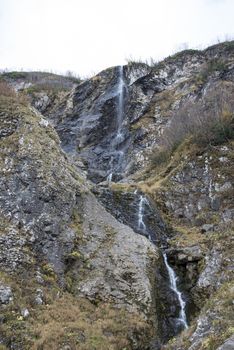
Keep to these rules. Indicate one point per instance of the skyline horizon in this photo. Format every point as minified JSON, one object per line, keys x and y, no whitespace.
{"x":181,"y":47}
{"x":86,"y":37}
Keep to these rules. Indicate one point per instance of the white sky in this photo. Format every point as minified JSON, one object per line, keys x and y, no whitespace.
{"x":86,"y":36}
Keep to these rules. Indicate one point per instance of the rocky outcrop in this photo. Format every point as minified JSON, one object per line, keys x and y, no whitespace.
{"x":86,"y":120}
{"x":55,"y":233}
{"x":134,"y":209}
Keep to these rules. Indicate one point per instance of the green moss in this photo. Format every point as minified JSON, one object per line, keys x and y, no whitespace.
{"x":48,"y":272}
{"x":75,"y":255}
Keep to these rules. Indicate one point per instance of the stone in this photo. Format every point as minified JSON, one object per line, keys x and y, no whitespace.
{"x":25,"y":313}
{"x":207,"y":228}
{"x":6,"y":295}
{"x":215,"y":203}
{"x":39,"y":296}
{"x":227,"y":345}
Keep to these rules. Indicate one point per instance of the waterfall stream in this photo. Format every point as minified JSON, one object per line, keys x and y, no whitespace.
{"x":173,"y":285}
{"x":141,"y":224}
{"x":117,"y":154}
{"x":182,"y":319}
{"x":120,"y":106}
{"x":116,"y":157}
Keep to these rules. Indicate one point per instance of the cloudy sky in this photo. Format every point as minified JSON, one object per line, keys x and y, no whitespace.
{"x":86,"y":36}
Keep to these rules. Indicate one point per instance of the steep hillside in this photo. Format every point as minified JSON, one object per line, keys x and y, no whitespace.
{"x":117,"y":207}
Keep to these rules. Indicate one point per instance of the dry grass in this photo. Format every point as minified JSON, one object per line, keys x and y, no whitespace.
{"x":6,"y":90}
{"x":187,"y":236}
{"x":205,"y":122}
{"x":84,"y":326}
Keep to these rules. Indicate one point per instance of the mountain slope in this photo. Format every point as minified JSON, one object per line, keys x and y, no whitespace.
{"x":100,"y":181}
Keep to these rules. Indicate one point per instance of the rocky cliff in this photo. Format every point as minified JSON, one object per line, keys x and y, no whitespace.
{"x":117,"y":206}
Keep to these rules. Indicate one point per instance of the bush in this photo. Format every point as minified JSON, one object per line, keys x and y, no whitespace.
{"x":6,"y":90}
{"x":223,"y":130}
{"x":208,"y":121}
{"x":210,"y":67}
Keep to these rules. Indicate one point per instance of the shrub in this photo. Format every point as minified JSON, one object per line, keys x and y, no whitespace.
{"x":208,"y":121}
{"x":210,"y":67}
{"x":6,"y":90}
{"x":223,"y":130}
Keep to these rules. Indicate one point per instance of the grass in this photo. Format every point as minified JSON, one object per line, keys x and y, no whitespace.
{"x":187,"y":236}
{"x":84,"y":326}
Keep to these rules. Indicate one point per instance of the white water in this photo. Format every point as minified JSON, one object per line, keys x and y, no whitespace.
{"x":173,"y":278}
{"x":119,"y":136}
{"x":141,"y":224}
{"x":109,"y":177}
{"x":120,"y":106}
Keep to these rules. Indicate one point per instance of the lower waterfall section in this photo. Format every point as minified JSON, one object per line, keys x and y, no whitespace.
{"x":135,"y":209}
{"x":182,"y":319}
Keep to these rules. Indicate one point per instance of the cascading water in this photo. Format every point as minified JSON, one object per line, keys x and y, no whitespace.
{"x":120,"y":106}
{"x":141,"y":224}
{"x":181,"y":321}
{"x":143,"y":206}
{"x":173,"y":279}
{"x":116,"y":154}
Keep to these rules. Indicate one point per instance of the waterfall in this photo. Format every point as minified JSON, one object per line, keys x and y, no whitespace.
{"x":120,"y":106}
{"x":173,"y":279}
{"x":117,"y":154}
{"x":140,"y":215}
{"x":109,"y":177}
{"x":182,"y":319}
{"x":141,"y":224}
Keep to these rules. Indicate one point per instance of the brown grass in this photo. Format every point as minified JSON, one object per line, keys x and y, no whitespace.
{"x":84,"y":326}
{"x":6,"y":90}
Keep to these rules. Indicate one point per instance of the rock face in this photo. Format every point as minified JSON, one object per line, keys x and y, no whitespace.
{"x":54,"y":231}
{"x":119,"y":261}
{"x":134,"y":209}
{"x":87,"y":121}
{"x":90,"y":205}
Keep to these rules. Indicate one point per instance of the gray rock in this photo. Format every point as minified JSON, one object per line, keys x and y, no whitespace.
{"x":6,"y":295}
{"x":207,"y":228}
{"x":39,"y":278}
{"x":215,"y":203}
{"x":120,"y":260}
{"x":39,"y":297}
{"x":228,"y":344}
{"x":25,"y":313}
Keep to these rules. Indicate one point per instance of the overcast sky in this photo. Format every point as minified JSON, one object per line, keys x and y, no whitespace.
{"x":86,"y":36}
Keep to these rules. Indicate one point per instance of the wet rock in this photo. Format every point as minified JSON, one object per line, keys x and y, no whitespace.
{"x":125,"y":206}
